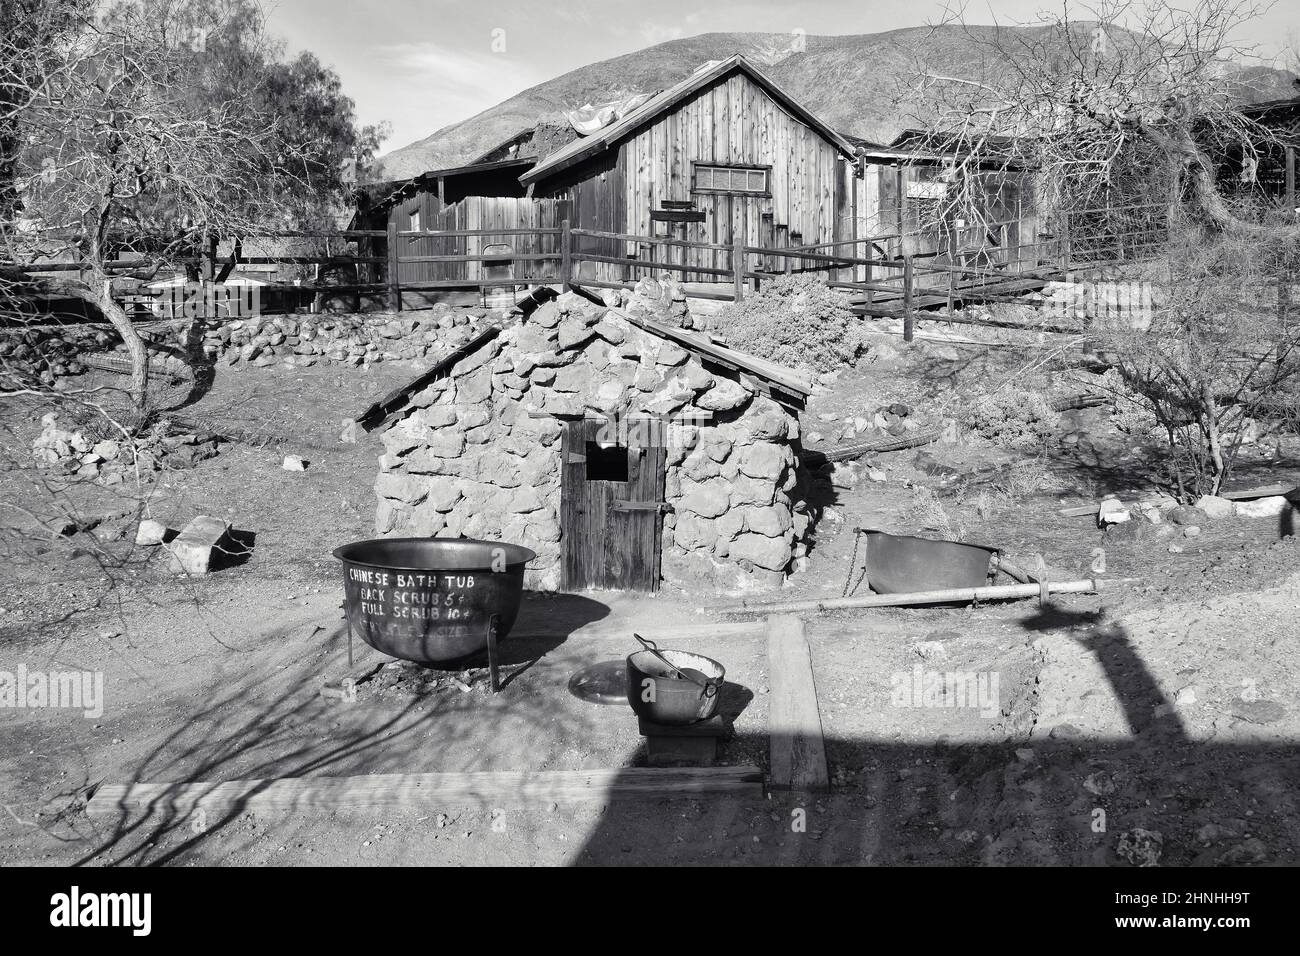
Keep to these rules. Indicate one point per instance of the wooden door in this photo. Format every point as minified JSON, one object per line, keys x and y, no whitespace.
{"x":611,"y":500}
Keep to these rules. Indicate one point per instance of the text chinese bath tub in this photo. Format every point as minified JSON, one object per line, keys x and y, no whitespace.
{"x":431,"y":600}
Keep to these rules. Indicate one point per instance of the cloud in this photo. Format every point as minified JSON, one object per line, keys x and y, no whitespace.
{"x":434,"y":85}
{"x":654,"y":33}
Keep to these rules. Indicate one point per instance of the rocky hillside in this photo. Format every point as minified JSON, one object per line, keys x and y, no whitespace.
{"x":856,"y":83}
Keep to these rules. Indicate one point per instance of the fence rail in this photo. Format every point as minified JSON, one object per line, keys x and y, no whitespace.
{"x":877,"y":284}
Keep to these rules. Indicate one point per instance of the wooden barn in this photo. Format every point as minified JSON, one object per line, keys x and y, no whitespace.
{"x":1272,"y":174}
{"x":904,"y":194}
{"x":723,"y":155}
{"x":726,"y":155}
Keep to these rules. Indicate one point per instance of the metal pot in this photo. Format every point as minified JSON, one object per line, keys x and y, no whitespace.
{"x":431,"y":600}
{"x":660,"y":693}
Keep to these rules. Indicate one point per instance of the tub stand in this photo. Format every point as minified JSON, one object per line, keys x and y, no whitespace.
{"x":493,"y":666}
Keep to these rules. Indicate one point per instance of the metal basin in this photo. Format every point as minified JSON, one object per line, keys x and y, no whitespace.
{"x":897,"y":564}
{"x":431,"y":600}
{"x":662,"y":699}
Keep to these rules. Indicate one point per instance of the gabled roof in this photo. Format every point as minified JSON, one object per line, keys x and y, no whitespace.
{"x":665,"y":100}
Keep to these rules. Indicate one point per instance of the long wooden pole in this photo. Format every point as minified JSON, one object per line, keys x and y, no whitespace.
{"x":997,"y":592}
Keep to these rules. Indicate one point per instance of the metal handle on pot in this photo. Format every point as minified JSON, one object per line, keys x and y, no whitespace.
{"x":709,"y":687}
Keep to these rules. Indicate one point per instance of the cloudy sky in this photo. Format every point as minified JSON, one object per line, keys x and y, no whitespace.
{"x":421,"y":64}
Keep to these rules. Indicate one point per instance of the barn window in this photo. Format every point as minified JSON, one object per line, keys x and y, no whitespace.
{"x":711,"y":178}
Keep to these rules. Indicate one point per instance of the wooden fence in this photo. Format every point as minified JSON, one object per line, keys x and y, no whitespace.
{"x":392,"y":264}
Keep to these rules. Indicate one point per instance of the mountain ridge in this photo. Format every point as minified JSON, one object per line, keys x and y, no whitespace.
{"x":853,"y":82}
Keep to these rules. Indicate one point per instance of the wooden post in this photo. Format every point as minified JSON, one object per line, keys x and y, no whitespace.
{"x":738,"y":268}
{"x":909,"y":320}
{"x":394,"y":284}
{"x":1065,"y":244}
{"x":1290,"y":180}
{"x":566,"y":256}
{"x":210,"y":258}
{"x":869,"y":275}
{"x":950,"y":290}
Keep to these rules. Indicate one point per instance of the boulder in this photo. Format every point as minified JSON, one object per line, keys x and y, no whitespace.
{"x":760,"y":550}
{"x":708,"y":500}
{"x":724,"y":396}
{"x":771,"y":522}
{"x":405,"y":488}
{"x":1269,"y":507}
{"x":1215,"y":507}
{"x":574,"y":332}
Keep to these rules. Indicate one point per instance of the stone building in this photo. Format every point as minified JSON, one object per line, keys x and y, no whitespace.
{"x":623,"y":450}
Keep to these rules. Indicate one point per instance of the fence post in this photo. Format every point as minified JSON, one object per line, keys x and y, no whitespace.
{"x":566,"y":256}
{"x":950,"y":290}
{"x":394,"y":285}
{"x":1290,"y":181}
{"x":909,"y":320}
{"x":738,"y":267}
{"x":868,"y":275}
{"x":209,"y":266}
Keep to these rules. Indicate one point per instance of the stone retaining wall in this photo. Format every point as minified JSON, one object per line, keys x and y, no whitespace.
{"x":49,"y":353}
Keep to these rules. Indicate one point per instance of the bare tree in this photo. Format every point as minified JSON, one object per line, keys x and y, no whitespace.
{"x":111,"y":151}
{"x":1115,"y":103}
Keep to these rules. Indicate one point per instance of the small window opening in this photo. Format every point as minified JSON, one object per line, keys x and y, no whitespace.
{"x":606,"y":463}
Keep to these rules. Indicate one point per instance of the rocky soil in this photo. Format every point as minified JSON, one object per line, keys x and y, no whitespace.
{"x":1151,"y":724}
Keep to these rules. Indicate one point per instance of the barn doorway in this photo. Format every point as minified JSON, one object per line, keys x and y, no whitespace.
{"x":612,"y":504}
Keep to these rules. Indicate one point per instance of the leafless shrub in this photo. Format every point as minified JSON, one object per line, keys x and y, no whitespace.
{"x":1219,"y":351}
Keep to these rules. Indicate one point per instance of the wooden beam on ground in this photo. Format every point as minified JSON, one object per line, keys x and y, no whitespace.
{"x":663,"y":632}
{"x":996,"y":592}
{"x":794,"y":725}
{"x":427,"y":789}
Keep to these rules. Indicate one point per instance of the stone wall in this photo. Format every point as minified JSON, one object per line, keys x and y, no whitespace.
{"x":49,"y":353}
{"x":471,"y":460}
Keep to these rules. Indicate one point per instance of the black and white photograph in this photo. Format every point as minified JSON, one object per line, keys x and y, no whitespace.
{"x":645,"y":433}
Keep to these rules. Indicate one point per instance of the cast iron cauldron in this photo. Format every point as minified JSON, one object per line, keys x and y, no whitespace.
{"x":431,"y":600}
{"x":898,"y":563}
{"x":661,"y":693}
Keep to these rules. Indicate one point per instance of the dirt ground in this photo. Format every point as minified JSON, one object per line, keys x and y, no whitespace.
{"x":1165,"y":707}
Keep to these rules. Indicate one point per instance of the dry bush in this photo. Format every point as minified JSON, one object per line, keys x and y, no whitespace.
{"x":929,"y":517}
{"x":1217,"y":353}
{"x":1012,"y":418}
{"x":797,"y":321}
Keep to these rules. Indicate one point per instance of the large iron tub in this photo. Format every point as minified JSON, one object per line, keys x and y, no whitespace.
{"x":899,"y":563}
{"x":432,"y":600}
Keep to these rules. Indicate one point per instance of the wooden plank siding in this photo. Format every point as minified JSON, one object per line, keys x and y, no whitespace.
{"x":477,"y":212}
{"x":733,"y":121}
